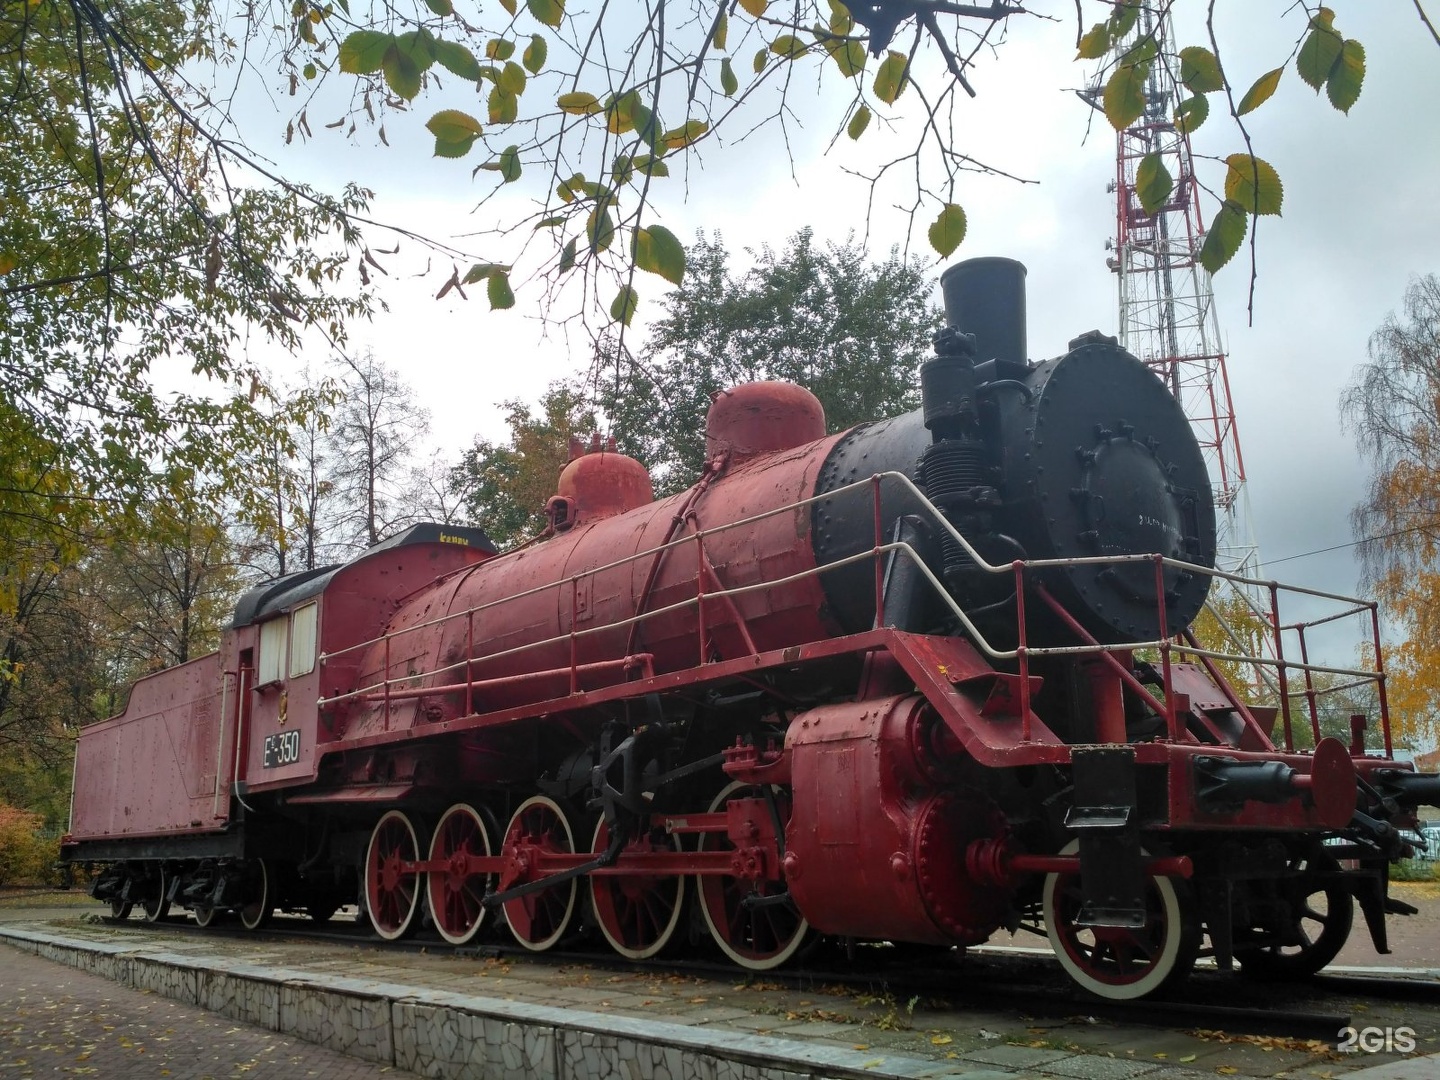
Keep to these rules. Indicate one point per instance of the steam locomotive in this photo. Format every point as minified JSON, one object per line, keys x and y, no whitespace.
{"x":916,"y":682}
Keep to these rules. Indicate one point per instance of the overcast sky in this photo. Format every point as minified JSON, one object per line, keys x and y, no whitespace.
{"x":1359,"y":219}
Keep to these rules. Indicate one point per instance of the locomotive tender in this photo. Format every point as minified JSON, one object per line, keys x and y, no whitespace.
{"x":916,"y":682}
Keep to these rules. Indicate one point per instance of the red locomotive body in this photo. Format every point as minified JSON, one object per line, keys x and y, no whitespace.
{"x":913,"y":682}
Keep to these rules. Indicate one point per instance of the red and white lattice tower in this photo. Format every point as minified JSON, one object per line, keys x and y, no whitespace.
{"x":1167,"y":306}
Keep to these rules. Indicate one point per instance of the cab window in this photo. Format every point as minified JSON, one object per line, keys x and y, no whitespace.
{"x":303,"y":624}
{"x":272,"y":652}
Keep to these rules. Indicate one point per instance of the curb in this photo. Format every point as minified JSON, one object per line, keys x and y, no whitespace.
{"x":442,"y":1034}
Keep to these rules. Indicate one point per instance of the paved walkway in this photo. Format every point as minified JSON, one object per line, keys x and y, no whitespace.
{"x":56,"y":1021}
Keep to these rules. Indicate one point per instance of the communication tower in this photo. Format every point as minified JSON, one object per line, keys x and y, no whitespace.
{"x":1167,"y":305}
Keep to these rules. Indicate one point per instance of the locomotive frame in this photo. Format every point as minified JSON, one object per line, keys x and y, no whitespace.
{"x":849,"y":704}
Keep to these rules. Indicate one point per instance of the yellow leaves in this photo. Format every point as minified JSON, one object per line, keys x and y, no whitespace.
{"x":578,"y":103}
{"x":948,"y":230}
{"x":689,"y":132}
{"x":7,"y":263}
{"x":755,"y":8}
{"x":859,"y":122}
{"x":1260,"y":93}
{"x":891,"y":77}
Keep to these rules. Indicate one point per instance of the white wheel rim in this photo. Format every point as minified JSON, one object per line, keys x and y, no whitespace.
{"x":254,"y":923}
{"x":563,"y":924}
{"x":161,"y":907}
{"x":434,"y":881}
{"x":750,"y":963}
{"x":664,"y":936}
{"x":404,"y":925}
{"x":1152,"y":979}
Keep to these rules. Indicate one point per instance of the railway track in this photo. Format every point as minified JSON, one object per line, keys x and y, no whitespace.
{"x":1028,"y":984}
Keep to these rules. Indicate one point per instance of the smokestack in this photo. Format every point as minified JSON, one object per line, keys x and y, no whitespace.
{"x":986,"y":297}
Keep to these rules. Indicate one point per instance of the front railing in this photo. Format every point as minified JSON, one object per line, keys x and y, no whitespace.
{"x":1166,"y":645}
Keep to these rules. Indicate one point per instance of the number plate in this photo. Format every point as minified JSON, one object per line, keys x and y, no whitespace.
{"x":281,"y":749}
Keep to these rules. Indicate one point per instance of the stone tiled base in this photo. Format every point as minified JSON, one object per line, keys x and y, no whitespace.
{"x":437,"y":1033}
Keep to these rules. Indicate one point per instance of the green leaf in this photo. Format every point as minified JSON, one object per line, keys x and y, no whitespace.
{"x":499,"y":291}
{"x":510,"y":164}
{"x":788,"y":47}
{"x":1253,"y":185}
{"x":310,"y":71}
{"x":1095,"y":44}
{"x":1153,"y":183}
{"x":535,"y":54}
{"x":1346,"y":77}
{"x":440,"y":7}
{"x":841,"y":21}
{"x":1143,"y":51}
{"x":550,"y":223}
{"x":651,"y":165}
{"x":499,"y":49}
{"x":891,"y":77}
{"x":458,"y":60}
{"x":364,"y":51}
{"x":859,"y":122}
{"x":457,"y":149}
{"x":509,"y":6}
{"x":1122,"y":21}
{"x":512,"y":78}
{"x":1318,"y":55}
{"x":1227,"y":233}
{"x":419,"y":45}
{"x":1323,"y":19}
{"x":849,"y":57}
{"x":1124,"y":96}
{"x":452,"y":125}
{"x":600,"y":229}
{"x":1191,"y":113}
{"x":762,"y":57}
{"x":504,"y":107}
{"x":657,"y":251}
{"x":567,"y":255}
{"x":1200,"y":71}
{"x":568,"y":191}
{"x":683,"y":136}
{"x":549,"y":12}
{"x":948,"y":230}
{"x":481,"y":271}
{"x":728,"y":83}
{"x":755,"y":8}
{"x":722,"y":31}
{"x":1260,"y":93}
{"x":578,"y":103}
{"x":402,"y":74}
{"x":622,"y":308}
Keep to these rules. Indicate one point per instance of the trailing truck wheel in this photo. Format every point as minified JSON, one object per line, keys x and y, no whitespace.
{"x":157,"y":905}
{"x":455,"y":894}
{"x":392,"y":884}
{"x":1121,"y":963}
{"x":540,"y":919}
{"x":1320,"y":911}
{"x":757,"y":937}
{"x":637,"y":913}
{"x":205,"y":915}
{"x":120,"y":909}
{"x":259,"y":900}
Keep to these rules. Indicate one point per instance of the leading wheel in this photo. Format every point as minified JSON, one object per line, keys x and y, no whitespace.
{"x":637,"y":913}
{"x":120,"y":909}
{"x":392,"y":884}
{"x":156,"y":905}
{"x":455,"y":894}
{"x":259,"y":895}
{"x":1122,"y":963}
{"x":539,"y":919}
{"x":757,"y":936}
{"x":1315,"y":909}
